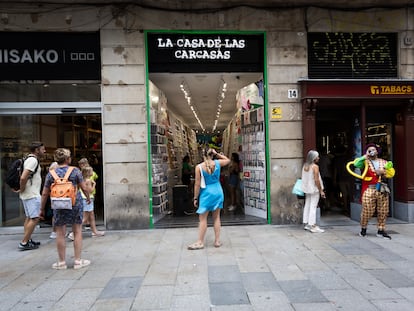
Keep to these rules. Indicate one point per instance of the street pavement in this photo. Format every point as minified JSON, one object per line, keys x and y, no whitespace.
{"x":262,"y":267}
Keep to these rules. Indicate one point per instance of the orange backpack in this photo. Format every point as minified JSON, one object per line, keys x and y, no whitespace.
{"x":62,"y":191}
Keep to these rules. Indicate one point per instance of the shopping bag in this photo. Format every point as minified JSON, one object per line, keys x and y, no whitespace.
{"x":297,"y":188}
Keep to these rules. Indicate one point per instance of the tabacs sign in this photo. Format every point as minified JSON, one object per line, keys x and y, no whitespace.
{"x":392,"y":90}
{"x":178,"y":52}
{"x":49,"y":56}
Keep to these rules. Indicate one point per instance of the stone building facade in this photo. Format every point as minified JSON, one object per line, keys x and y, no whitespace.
{"x":124,"y":84}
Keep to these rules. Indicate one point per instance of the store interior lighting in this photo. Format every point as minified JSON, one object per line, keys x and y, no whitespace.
{"x":187,"y":95}
{"x":220,"y":98}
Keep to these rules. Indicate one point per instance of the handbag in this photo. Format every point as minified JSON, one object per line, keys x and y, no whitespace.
{"x":385,"y":188}
{"x":297,"y":188}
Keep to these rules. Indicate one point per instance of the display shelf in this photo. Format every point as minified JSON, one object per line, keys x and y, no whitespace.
{"x":160,"y":156}
{"x":254,"y":164}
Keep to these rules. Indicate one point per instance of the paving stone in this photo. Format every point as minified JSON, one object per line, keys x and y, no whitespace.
{"x":259,"y":282}
{"x":121,"y":287}
{"x":228,"y":293}
{"x":301,"y":291}
{"x":348,"y":299}
{"x":392,"y":278}
{"x":393,"y":305}
{"x":218,"y":274}
{"x":270,"y":300}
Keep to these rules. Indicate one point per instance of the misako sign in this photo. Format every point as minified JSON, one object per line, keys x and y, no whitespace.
{"x":49,"y":56}
{"x":205,"y":52}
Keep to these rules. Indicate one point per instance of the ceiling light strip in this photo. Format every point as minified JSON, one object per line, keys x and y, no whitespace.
{"x":187,"y":95}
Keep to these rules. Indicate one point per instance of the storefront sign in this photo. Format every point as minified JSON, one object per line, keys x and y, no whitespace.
{"x":49,"y":56}
{"x":182,"y":52}
{"x":392,"y":89}
{"x":352,"y":89}
{"x":352,"y":55}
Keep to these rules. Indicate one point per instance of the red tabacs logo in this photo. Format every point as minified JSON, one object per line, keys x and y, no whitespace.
{"x":392,"y":89}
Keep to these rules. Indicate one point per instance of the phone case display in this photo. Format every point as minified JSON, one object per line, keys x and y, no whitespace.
{"x":254,"y":164}
{"x":159,"y":151}
{"x":232,"y":138}
{"x":192,"y":146}
{"x":159,"y":157}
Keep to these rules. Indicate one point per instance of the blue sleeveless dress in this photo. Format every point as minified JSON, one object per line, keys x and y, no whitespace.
{"x":212,"y":196}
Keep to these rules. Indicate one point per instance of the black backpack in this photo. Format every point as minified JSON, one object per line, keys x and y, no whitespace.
{"x":15,"y":171}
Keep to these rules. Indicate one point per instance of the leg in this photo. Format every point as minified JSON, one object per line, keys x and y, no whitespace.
{"x":77,"y":243}
{"x":314,"y":199}
{"x":233,"y":195}
{"x":382,"y":210}
{"x":29,"y":226}
{"x":306,"y":209}
{"x":92,"y":222}
{"x":32,"y":211}
{"x":202,"y":228}
{"x":217,"y":227}
{"x":368,"y":206}
{"x":85,"y":218}
{"x":60,"y":242}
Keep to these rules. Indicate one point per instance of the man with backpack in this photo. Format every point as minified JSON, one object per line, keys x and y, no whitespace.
{"x":29,"y":193}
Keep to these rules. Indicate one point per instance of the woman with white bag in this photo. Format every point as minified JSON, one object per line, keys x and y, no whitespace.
{"x":312,"y":186}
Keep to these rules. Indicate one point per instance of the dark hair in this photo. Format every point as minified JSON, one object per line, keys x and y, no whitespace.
{"x":235,"y":157}
{"x":373,"y":145}
{"x":35,"y":145}
{"x":186,"y":158}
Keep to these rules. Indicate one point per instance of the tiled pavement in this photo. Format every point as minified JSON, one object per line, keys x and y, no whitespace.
{"x":261,"y":267}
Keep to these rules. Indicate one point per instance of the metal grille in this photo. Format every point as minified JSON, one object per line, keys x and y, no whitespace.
{"x":334,"y":55}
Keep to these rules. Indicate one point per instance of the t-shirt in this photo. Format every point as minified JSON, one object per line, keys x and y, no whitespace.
{"x":34,"y":184}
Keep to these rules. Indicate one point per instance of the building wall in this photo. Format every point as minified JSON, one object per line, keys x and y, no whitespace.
{"x":124,"y":112}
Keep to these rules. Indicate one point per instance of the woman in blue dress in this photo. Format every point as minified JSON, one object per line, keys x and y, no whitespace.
{"x":208,"y":195}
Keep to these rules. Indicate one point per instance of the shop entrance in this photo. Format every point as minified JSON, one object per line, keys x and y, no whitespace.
{"x":339,"y":140}
{"x":202,"y":104}
{"x":79,"y":133}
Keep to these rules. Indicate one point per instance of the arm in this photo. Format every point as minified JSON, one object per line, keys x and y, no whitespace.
{"x":90,"y":185}
{"x":318,"y":183}
{"x":197,"y":185}
{"x":223,"y":160}
{"x":360,"y":162}
{"x":85,"y":190}
{"x":389,"y":170}
{"x":24,"y":178}
{"x":43,"y":200}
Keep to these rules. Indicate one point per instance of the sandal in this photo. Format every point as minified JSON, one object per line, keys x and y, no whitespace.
{"x":195,"y":246}
{"x":60,"y":265}
{"x":217,"y":244}
{"x":79,"y":264}
{"x":98,"y":234}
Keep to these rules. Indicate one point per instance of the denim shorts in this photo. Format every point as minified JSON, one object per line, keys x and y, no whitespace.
{"x":87,"y":207}
{"x":32,"y":207}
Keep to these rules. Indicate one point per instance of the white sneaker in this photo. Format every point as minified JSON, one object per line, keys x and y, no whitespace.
{"x":52,"y":235}
{"x":316,"y":229}
{"x":71,"y":236}
{"x":307,"y":227}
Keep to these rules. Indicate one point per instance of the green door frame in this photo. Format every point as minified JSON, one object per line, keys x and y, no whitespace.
{"x":266,"y":123}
